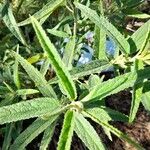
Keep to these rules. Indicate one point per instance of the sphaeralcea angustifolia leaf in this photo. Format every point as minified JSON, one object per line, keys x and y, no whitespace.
{"x":69,"y":52}
{"x":10,"y":22}
{"x":31,"y":132}
{"x":137,"y":91}
{"x":117,"y":84}
{"x":55,"y":60}
{"x":95,"y":117}
{"x":107,"y":114}
{"x":95,"y":66}
{"x":28,"y":109}
{"x":36,"y":76}
{"x":47,"y":136}
{"x":102,"y":22}
{"x":67,"y":131}
{"x":87,"y":134}
{"x":44,"y":12}
{"x":140,"y":37}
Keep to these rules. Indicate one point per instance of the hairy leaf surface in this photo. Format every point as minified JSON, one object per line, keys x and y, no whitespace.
{"x":67,"y":131}
{"x":87,"y":134}
{"x":10,"y":22}
{"x":115,"y":131}
{"x":37,"y":127}
{"x":137,"y":92}
{"x":36,"y":76}
{"x":44,"y":12}
{"x":55,"y":60}
{"x":48,"y":133}
{"x":117,"y":84}
{"x":28,"y":109}
{"x":140,"y":37}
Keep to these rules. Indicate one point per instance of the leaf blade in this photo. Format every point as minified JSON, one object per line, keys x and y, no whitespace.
{"x":36,"y":76}
{"x":67,"y":131}
{"x":55,"y":60}
{"x":28,"y":109}
{"x":10,"y":22}
{"x":87,"y":133}
{"x":37,"y":127}
{"x":44,"y":12}
{"x":114,"y":130}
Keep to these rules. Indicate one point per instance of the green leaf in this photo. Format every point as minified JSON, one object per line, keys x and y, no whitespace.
{"x":100,"y":43}
{"x":8,"y":99}
{"x":48,"y":133}
{"x":95,"y":66}
{"x":28,"y":109}
{"x":10,"y":22}
{"x":57,"y":33}
{"x":36,"y":76}
{"x":146,"y":101}
{"x":139,"y":38}
{"x":44,"y":12}
{"x":69,"y":53}
{"x":16,"y":72}
{"x":87,"y":134}
{"x":55,"y":60}
{"x":136,"y":14}
{"x":106,"y":114}
{"x":93,"y":80}
{"x":37,"y":127}
{"x":117,"y":84}
{"x":102,"y":22}
{"x":67,"y":131}
{"x":115,"y":131}
{"x":44,"y":67}
{"x":137,"y":92}
{"x":100,"y":38}
{"x":26,"y":91}
{"x":8,"y":136}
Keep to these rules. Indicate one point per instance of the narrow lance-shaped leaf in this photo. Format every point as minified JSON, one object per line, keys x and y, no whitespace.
{"x":146,"y":101}
{"x":100,"y":43}
{"x":58,"y":33}
{"x":100,"y":38}
{"x":137,"y":92}
{"x":48,"y":133}
{"x":139,"y":38}
{"x":106,"y":114}
{"x":136,"y":14}
{"x":26,"y":91}
{"x":36,"y":76}
{"x":55,"y":60}
{"x":16,"y":72}
{"x":107,"y":26}
{"x":28,"y":109}
{"x":31,"y":132}
{"x":10,"y":22}
{"x":115,"y":131}
{"x":117,"y":84}
{"x":87,"y":134}
{"x":8,"y":136}
{"x":44,"y":12}
{"x":95,"y":66}
{"x":67,"y":131}
{"x":44,"y":67}
{"x":69,"y":53}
